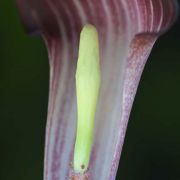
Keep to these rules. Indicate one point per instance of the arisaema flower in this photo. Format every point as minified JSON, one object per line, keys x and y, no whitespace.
{"x":127,"y":31}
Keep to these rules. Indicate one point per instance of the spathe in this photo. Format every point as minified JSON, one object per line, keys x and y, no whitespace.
{"x":127,"y":32}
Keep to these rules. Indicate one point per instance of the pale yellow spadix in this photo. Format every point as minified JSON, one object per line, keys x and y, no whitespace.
{"x":87,"y":89}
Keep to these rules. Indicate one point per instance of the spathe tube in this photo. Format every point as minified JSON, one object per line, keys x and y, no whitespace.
{"x":127,"y":31}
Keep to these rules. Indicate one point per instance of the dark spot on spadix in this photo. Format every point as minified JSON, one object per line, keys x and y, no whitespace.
{"x":82,"y":166}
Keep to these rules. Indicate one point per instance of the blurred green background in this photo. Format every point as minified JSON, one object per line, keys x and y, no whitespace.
{"x":152,"y":145}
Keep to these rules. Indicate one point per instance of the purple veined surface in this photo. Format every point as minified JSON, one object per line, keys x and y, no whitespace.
{"x":127,"y":31}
